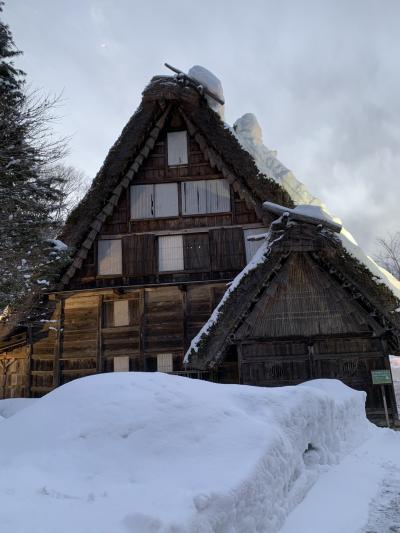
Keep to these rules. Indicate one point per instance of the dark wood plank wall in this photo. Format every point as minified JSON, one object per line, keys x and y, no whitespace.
{"x":81,"y":331}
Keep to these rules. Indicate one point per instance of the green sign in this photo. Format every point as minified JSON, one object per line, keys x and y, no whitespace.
{"x":381,"y":377}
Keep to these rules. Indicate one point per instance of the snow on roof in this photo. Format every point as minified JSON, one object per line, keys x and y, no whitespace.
{"x":171,"y":454}
{"x":249,"y":134}
{"x":212,"y":83}
{"x":313,"y":213}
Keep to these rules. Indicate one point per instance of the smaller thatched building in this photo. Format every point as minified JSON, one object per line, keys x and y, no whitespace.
{"x":302,"y":309}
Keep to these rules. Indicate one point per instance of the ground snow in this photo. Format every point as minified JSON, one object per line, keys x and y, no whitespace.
{"x":153,"y":453}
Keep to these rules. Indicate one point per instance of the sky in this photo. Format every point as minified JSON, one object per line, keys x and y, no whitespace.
{"x":322,"y":77}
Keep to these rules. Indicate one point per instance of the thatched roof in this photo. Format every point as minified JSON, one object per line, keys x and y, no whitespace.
{"x":288,"y":236}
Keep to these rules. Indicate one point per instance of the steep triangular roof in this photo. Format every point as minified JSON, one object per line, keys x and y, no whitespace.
{"x":217,"y":142}
{"x":289,"y":235}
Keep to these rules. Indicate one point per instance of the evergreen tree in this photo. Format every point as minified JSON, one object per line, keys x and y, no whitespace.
{"x":30,"y":189}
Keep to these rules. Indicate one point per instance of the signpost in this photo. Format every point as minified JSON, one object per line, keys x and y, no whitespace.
{"x":382,"y":378}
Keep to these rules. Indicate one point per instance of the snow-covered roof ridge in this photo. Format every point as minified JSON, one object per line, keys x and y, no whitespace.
{"x":209,"y":80}
{"x":305,"y":213}
{"x":249,"y":134}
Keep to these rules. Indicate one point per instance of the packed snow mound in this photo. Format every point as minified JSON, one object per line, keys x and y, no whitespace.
{"x":213,"y":84}
{"x":154,"y":453}
{"x":249,"y":134}
{"x":13,"y":405}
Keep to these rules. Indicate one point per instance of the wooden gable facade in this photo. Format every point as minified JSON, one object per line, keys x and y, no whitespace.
{"x":152,"y":258}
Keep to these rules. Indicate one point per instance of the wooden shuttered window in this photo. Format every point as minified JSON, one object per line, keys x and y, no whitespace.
{"x":109,"y":257}
{"x":139,"y":255}
{"x":205,"y":196}
{"x":196,"y":251}
{"x":154,"y":201}
{"x":177,"y":146}
{"x":227,"y":249}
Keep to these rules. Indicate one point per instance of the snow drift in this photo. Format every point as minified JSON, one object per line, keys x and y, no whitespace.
{"x":146,"y":453}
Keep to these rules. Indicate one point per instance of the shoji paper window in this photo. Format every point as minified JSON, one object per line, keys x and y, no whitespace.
{"x":170,"y":253}
{"x":121,"y":364}
{"x":109,"y":257}
{"x":177,"y":148}
{"x":252,"y":246}
{"x":121,"y":313}
{"x":154,"y":201}
{"x":205,"y":196}
{"x":164,"y":362}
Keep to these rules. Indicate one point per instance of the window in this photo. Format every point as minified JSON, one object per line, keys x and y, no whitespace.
{"x":177,"y":148}
{"x":205,"y":196}
{"x":118,"y":313}
{"x":252,"y":246}
{"x":121,"y":364}
{"x":164,"y":362}
{"x":121,"y":313}
{"x":170,"y":253}
{"x":154,"y":201}
{"x":109,"y":257}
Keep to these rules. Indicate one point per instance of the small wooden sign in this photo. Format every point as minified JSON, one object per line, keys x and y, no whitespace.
{"x":381,"y":377}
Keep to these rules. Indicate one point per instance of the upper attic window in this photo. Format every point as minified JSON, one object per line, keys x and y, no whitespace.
{"x":154,"y":201}
{"x":177,"y":148}
{"x":205,"y":196}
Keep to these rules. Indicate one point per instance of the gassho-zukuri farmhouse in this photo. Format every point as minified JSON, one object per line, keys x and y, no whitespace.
{"x":196,"y":252}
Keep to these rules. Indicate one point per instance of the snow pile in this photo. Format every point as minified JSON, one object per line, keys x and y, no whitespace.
{"x":249,"y":134}
{"x":212,"y":83}
{"x":153,"y":453}
{"x":11,"y":406}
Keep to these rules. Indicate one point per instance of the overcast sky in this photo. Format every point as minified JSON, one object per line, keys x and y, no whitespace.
{"x":323,"y":78}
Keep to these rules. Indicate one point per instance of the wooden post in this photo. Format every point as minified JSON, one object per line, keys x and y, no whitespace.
{"x":57,"y":346}
{"x":29,"y":361}
{"x":385,"y":405}
{"x":99,"y":343}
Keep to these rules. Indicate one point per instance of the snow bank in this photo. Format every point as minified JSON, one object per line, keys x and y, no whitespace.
{"x":249,"y":134}
{"x":153,"y":453}
{"x":12,"y":405}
